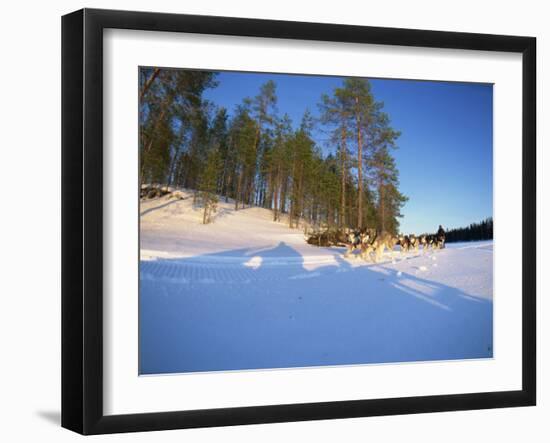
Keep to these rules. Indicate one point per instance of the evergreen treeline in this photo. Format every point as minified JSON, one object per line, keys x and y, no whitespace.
{"x":258,"y":157}
{"x":476,"y":231}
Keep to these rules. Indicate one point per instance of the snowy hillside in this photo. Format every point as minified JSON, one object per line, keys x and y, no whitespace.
{"x":173,"y":228}
{"x":247,"y":293}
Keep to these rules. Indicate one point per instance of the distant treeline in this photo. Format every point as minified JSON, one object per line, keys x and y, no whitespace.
{"x":476,"y":231}
{"x":256,"y":156}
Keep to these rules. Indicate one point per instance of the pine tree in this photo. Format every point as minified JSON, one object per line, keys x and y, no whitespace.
{"x":475,"y":231}
{"x":281,"y":163}
{"x":384,"y":175}
{"x":262,"y":107}
{"x":169,"y":100}
{"x":242,"y":133}
{"x":218,"y":139}
{"x":357,"y":97}
{"x":302,"y":146}
{"x":208,"y":184}
{"x":335,"y":112}
{"x":356,"y":110}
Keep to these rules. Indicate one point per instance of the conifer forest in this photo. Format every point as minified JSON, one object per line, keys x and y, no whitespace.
{"x":255,"y":155}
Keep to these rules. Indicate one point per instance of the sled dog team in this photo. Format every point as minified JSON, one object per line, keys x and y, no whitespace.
{"x":369,"y":241}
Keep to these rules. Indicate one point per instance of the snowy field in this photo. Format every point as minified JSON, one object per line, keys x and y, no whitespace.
{"x":247,"y":293}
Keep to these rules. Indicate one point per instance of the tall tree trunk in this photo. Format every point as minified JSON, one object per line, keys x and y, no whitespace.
{"x":292,"y":195}
{"x":226,"y":176}
{"x":237,"y":194}
{"x":204,"y":214}
{"x":359,"y":168}
{"x":300,"y":197}
{"x":251,"y":189}
{"x":275,"y":199}
{"x":342,"y":212}
{"x":271,"y":182}
{"x":152,"y":138}
{"x":284,"y":187}
{"x":172,"y":168}
{"x":176,"y":157}
{"x":382,"y":208}
{"x":351,"y":210}
{"x":244,"y":195}
{"x":148,"y":83}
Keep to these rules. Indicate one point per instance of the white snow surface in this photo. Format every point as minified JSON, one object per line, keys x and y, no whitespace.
{"x":245,"y":292}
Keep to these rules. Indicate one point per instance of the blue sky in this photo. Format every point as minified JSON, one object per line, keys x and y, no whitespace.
{"x":445,"y":154}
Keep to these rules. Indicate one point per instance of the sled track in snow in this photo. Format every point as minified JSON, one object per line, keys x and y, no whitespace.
{"x":235,"y":271}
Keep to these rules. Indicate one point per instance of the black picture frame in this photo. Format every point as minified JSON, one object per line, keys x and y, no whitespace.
{"x":82,"y":218}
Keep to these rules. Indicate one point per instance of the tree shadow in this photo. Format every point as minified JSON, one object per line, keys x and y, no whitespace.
{"x":163,"y":205}
{"x":271,"y":307}
{"x":430,"y":291}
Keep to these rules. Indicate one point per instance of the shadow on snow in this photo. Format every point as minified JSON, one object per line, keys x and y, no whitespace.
{"x":257,"y":308}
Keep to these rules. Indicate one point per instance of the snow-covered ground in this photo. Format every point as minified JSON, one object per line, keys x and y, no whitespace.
{"x":247,"y":293}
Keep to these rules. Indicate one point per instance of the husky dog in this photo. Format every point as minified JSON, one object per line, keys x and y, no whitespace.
{"x":436,"y":241}
{"x":405,"y":243}
{"x":382,"y":241}
{"x":370,"y":241}
{"x":424,"y":240}
{"x":353,"y":243}
{"x":414,"y":242}
{"x":366,"y":240}
{"x":410,"y":242}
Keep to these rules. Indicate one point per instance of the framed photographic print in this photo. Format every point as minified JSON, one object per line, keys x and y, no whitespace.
{"x":269,"y":221}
